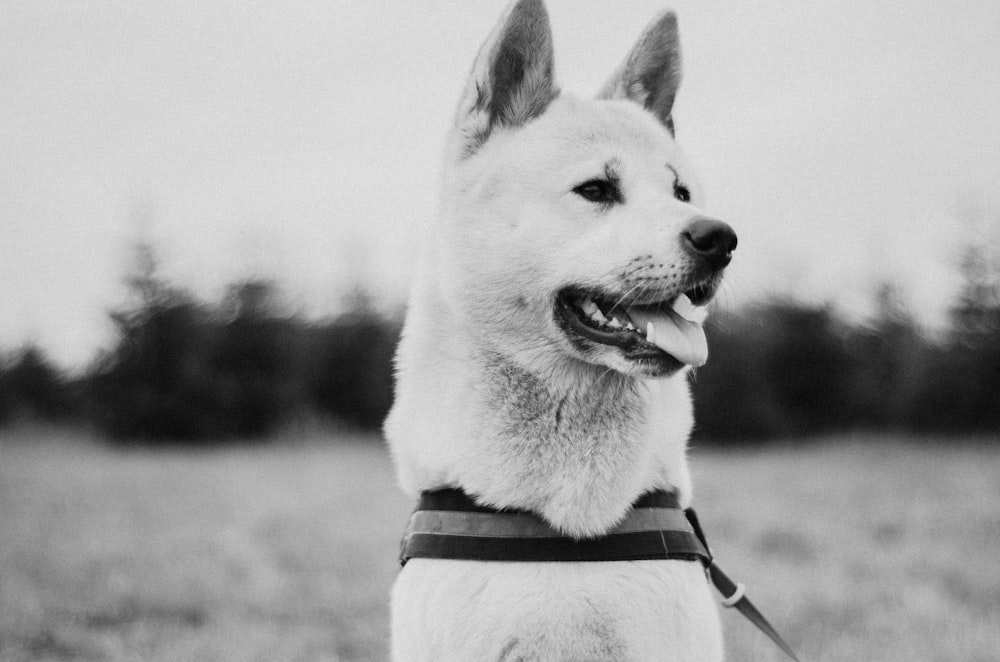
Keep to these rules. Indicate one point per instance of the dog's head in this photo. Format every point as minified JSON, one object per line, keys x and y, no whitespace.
{"x":574,"y":227}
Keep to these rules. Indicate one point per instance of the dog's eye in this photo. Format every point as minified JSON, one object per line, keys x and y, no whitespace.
{"x":681,"y":192}
{"x":601,"y":191}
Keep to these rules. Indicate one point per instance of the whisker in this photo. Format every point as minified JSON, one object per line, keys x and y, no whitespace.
{"x":642,"y":292}
{"x":626,"y":295}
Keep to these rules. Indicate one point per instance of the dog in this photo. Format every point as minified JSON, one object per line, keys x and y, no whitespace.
{"x":555,"y":314}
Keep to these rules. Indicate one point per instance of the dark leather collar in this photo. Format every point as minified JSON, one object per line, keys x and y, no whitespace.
{"x":448,"y":524}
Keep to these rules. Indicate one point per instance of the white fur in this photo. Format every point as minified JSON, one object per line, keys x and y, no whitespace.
{"x":492,"y":398}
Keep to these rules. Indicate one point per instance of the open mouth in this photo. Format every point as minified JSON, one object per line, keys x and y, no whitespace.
{"x":662,"y":332}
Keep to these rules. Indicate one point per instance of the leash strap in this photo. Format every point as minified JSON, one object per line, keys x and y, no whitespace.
{"x":448,"y":524}
{"x":734,"y":593}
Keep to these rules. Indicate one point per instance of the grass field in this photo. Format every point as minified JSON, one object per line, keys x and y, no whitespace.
{"x":856,"y":549}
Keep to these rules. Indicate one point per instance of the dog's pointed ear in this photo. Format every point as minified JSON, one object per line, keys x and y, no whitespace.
{"x":512,"y":79}
{"x":651,"y":73}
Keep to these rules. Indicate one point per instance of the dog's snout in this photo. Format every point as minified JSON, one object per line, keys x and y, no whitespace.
{"x":712,"y":240}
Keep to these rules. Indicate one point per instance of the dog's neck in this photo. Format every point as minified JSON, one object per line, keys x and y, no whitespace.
{"x":572,"y":401}
{"x":574,"y":442}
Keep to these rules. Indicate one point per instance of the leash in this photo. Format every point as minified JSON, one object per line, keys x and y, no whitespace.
{"x":448,"y":524}
{"x":734,"y":593}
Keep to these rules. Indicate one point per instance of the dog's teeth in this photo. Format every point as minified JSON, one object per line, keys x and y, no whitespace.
{"x":614,"y":323}
{"x":598,"y":316}
{"x":589,"y":307}
{"x":630,"y":327}
{"x":650,"y":332}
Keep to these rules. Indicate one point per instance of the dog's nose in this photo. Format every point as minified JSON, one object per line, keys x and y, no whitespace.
{"x":712,"y":240}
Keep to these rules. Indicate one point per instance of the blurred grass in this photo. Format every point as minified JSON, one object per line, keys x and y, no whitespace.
{"x":856,"y":549}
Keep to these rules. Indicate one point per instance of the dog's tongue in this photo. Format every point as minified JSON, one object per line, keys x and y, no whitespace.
{"x":680,"y":338}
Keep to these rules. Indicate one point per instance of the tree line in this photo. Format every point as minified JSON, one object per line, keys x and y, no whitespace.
{"x":186,"y":371}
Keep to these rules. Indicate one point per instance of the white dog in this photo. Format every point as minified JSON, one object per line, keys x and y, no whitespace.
{"x":543,"y":365}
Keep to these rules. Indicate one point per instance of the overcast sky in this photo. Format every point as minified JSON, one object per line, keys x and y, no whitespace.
{"x":847,"y":142}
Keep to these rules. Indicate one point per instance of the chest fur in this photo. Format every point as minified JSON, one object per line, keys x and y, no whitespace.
{"x":571,"y":447}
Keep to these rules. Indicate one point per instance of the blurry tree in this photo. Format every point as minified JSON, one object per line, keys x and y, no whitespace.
{"x":350,"y":371}
{"x":185,"y":371}
{"x":807,"y":366}
{"x":154,"y":383}
{"x":733,"y":403}
{"x":32,"y":388}
{"x":781,"y":369}
{"x":181,"y":370}
{"x":976,"y":315}
{"x":888,"y":360}
{"x":962,"y":388}
{"x":252,"y":360}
